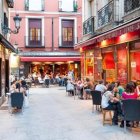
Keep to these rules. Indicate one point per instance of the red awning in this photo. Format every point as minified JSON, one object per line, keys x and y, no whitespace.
{"x":49,"y":59}
{"x":130,"y":27}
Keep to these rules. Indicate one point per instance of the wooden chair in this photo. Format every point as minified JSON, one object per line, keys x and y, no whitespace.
{"x":105,"y":119}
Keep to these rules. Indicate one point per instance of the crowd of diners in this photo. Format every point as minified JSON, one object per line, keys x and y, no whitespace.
{"x":60,"y":79}
{"x":112,"y":94}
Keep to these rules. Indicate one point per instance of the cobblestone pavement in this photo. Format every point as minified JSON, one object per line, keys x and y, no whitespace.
{"x":53,"y":115}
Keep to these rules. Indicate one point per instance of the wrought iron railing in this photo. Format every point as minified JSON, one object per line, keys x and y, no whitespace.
{"x":27,"y":5}
{"x":67,"y":43}
{"x":34,"y":41}
{"x":106,"y":14}
{"x":10,"y":3}
{"x":88,"y":26}
{"x":131,"y":5}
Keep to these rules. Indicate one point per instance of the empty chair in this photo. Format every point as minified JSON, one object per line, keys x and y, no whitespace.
{"x":131,"y":110}
{"x":17,"y":100}
{"x":96,"y":98}
{"x":47,"y":82}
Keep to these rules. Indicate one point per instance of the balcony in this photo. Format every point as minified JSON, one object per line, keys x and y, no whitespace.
{"x":10,"y":3}
{"x":88,"y":26}
{"x":63,"y":6}
{"x":131,"y":5}
{"x":34,"y":42}
{"x":40,"y":7}
{"x":106,"y":14}
{"x":67,"y":44}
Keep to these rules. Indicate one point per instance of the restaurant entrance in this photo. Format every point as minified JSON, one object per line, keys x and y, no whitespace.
{"x":44,"y":68}
{"x":54,"y":68}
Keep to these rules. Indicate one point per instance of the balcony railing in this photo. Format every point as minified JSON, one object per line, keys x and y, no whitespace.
{"x":106,"y":14}
{"x":34,"y":42}
{"x":88,"y":26}
{"x":131,"y":5}
{"x":67,"y":44}
{"x":10,"y":3}
{"x":27,"y":5}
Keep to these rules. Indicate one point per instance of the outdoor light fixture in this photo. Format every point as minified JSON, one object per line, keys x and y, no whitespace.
{"x":17,"y":21}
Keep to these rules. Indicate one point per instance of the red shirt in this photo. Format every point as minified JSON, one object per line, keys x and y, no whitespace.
{"x":129,"y":96}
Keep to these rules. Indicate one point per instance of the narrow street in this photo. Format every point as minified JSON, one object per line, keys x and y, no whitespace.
{"x":53,"y":115}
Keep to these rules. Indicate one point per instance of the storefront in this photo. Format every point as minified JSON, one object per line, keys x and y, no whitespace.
{"x":46,"y":62}
{"x":116,"y":54}
{"x":5,"y":51}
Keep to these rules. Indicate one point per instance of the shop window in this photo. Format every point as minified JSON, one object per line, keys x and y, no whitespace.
{"x":108,"y":61}
{"x":109,"y":66}
{"x":135,"y":66}
{"x":67,"y":33}
{"x":122,"y":65}
{"x":89,"y":64}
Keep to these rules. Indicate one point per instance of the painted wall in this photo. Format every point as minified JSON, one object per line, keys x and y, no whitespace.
{"x":51,"y":11}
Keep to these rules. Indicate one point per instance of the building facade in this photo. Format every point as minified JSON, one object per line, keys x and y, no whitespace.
{"x":110,"y":46}
{"x":47,"y":36}
{"x":6,"y":49}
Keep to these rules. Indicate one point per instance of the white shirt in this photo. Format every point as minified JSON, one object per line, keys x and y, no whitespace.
{"x":105,"y":99}
{"x":101,"y":87}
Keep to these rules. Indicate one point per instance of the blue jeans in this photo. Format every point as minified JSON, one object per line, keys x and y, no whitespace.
{"x":116,"y":107}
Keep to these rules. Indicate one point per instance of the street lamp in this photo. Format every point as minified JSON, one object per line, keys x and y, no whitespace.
{"x":17,"y":21}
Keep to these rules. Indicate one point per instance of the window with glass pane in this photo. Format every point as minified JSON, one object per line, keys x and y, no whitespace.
{"x":36,"y":5}
{"x":34,"y":32}
{"x":67,"y":30}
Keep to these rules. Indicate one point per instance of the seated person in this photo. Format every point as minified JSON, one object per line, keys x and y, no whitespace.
{"x":101,"y":87}
{"x":129,"y":93}
{"x":70,"y":86}
{"x":79,"y":86}
{"x":41,"y":81}
{"x":109,"y":102}
{"x":118,"y":90}
{"x":87,"y":88}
